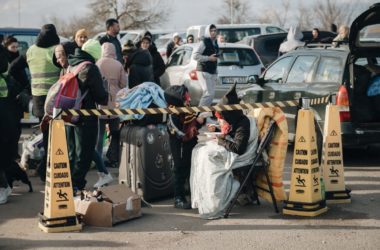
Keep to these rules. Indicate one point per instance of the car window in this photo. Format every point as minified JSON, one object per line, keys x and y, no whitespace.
{"x":271,"y":29}
{"x":302,"y":69}
{"x":330,"y":69}
{"x":176,"y":58}
{"x":24,"y":42}
{"x":278,"y":69}
{"x":237,"y":56}
{"x":235,"y":35}
{"x":187,"y":56}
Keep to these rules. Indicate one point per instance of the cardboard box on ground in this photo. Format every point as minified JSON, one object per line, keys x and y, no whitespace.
{"x":119,"y":204}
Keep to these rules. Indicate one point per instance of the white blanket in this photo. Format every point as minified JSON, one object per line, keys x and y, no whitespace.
{"x":211,"y":180}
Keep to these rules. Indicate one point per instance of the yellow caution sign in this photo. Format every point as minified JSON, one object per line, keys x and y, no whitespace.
{"x":332,"y":158}
{"x":59,"y":211}
{"x":305,"y":198}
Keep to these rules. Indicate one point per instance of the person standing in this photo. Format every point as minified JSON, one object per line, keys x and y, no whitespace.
{"x":82,"y":136}
{"x":44,"y":73}
{"x":157,"y":62}
{"x":315,"y":36}
{"x":173,"y":44}
{"x":140,"y":65}
{"x":81,"y":37}
{"x":113,"y":71}
{"x":183,"y":136}
{"x":113,"y":29}
{"x":207,"y":57}
{"x":190,"y":39}
{"x":23,"y":98}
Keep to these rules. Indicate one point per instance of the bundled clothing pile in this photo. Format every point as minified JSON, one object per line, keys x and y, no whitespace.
{"x":145,"y":95}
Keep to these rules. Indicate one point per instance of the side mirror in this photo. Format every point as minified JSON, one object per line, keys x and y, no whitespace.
{"x":253,"y":79}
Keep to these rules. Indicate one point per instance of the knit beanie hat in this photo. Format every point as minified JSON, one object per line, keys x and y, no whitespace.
{"x":93,"y":48}
{"x":81,"y":32}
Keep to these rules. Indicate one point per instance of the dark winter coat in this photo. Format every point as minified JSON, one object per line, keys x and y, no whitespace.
{"x":158,"y":63}
{"x":140,"y":67}
{"x":240,"y":132}
{"x":89,"y":78}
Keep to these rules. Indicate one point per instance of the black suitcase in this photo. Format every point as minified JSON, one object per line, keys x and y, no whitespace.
{"x":146,"y":164}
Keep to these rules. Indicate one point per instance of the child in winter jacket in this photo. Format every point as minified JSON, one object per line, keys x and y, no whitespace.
{"x":183,"y":131}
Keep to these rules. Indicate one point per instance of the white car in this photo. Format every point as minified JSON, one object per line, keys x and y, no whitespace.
{"x":136,"y":35}
{"x":235,"y":32}
{"x":237,"y":63}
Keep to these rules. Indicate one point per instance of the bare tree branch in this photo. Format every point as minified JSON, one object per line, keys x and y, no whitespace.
{"x":240,"y":12}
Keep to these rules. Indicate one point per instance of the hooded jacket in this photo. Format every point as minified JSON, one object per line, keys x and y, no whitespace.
{"x":89,"y":78}
{"x":206,"y":48}
{"x":140,"y":66}
{"x":240,"y":125}
{"x":293,"y":40}
{"x":113,"y":71}
{"x":47,"y":37}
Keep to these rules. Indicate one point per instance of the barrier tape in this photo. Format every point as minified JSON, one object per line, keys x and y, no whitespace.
{"x":179,"y":110}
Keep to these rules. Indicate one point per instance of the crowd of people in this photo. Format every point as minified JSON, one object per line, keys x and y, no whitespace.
{"x":102,"y":68}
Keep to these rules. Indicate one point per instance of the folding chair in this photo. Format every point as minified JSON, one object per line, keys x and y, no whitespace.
{"x":260,"y":164}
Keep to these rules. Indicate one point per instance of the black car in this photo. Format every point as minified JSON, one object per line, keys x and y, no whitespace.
{"x":344,"y":69}
{"x":266,"y":46}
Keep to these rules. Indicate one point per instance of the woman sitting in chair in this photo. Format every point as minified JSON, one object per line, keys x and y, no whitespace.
{"x":211,"y":181}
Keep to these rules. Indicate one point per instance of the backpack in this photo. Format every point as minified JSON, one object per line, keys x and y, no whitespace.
{"x":65,"y":93}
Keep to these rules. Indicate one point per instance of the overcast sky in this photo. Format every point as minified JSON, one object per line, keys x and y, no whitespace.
{"x":34,"y":13}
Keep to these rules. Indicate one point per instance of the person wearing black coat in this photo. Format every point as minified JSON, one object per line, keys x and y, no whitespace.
{"x":83,"y":135}
{"x":9,"y":97}
{"x":183,"y":136}
{"x":238,"y":125}
{"x":24,"y":95}
{"x":139,"y":66}
{"x":158,"y":62}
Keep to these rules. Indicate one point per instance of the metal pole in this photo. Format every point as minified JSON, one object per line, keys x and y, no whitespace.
{"x":231,"y":12}
{"x":19,"y":15}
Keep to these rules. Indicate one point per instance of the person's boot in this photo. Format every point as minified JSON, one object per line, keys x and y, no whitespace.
{"x":181,"y":202}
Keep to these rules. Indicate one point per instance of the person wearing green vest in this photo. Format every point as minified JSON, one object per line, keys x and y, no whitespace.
{"x":44,"y":72}
{"x":43,"y":69}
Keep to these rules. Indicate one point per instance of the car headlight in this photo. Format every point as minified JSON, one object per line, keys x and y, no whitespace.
{"x":252,"y":79}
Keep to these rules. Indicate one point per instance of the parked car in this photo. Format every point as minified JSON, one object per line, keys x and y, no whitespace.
{"x":236,"y":63}
{"x":266,"y":46}
{"x":234,"y":32}
{"x":136,"y":35}
{"x":320,"y":71}
{"x":26,"y":36}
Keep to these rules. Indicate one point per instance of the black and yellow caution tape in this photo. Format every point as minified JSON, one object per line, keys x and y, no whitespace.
{"x":178,"y":110}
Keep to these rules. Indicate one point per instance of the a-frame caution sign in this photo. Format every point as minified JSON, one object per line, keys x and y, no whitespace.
{"x":305,"y":198}
{"x":59,"y":211}
{"x":332,"y":158}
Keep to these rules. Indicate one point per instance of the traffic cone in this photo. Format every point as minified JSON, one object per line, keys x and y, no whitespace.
{"x":332,"y":158}
{"x":59,"y":210}
{"x":305,"y":198}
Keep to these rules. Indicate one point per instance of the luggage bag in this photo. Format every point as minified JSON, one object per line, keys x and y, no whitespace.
{"x":146,"y":164}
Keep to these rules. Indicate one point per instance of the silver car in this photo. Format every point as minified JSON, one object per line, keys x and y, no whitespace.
{"x":236,"y":63}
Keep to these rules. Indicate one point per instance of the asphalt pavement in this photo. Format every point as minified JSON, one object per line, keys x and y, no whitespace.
{"x":346,"y":226}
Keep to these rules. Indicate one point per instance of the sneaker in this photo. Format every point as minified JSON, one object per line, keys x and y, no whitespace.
{"x":181,"y":202}
{"x":103,"y":179}
{"x":4,"y":193}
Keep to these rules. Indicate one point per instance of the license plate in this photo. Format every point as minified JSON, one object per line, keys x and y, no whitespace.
{"x":232,"y":80}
